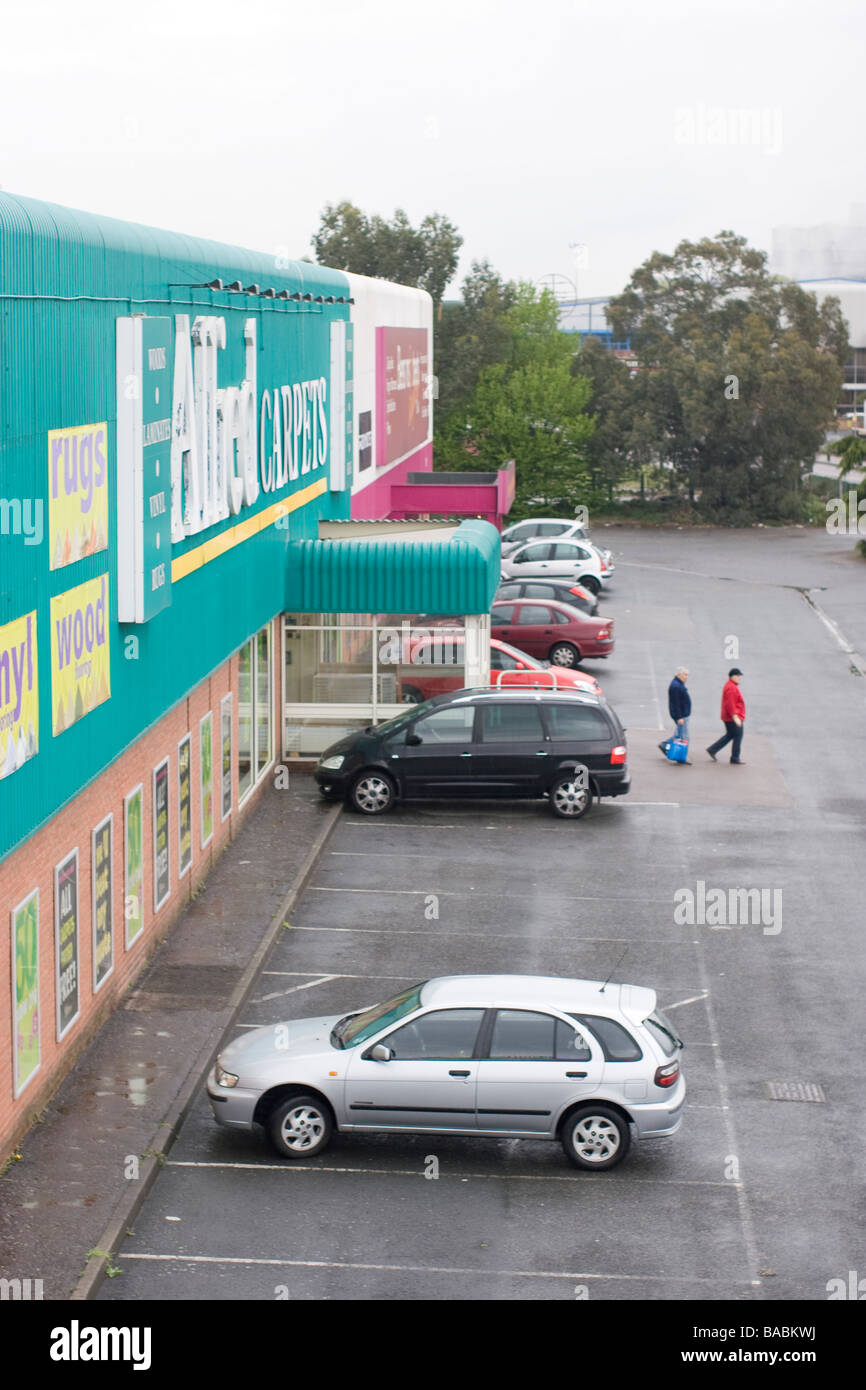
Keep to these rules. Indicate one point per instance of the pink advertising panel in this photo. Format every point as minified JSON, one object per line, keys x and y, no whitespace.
{"x":402,"y":405}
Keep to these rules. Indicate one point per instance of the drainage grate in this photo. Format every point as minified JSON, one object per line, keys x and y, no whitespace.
{"x":794,"y":1090}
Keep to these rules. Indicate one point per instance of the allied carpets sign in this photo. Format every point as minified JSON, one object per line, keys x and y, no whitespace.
{"x":77,"y":493}
{"x":19,"y":694}
{"x":25,"y":990}
{"x":66,"y":941}
{"x":402,"y":400}
{"x":101,"y":891}
{"x":80,"y":666}
{"x":193,"y":452}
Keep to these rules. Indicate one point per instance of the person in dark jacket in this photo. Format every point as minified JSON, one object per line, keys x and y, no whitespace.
{"x":679,"y":706}
{"x":733,"y":718}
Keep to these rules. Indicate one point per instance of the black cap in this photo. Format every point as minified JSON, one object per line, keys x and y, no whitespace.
{"x":734,"y":671}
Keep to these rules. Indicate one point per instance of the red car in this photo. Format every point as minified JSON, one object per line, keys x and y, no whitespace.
{"x":551,"y":630}
{"x":430,"y":670}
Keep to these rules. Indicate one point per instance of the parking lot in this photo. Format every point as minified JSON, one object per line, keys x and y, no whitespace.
{"x":752,"y":1199}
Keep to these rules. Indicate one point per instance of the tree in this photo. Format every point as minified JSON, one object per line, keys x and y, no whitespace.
{"x":529,"y":407}
{"x":424,"y":256}
{"x":472,"y":333}
{"x":739,"y":372}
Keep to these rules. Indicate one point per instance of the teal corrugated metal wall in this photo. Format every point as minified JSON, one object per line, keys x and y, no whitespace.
{"x":383,"y":576}
{"x":65,"y":277}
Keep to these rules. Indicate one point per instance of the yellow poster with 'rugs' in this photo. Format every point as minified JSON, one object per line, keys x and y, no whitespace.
{"x":80,"y":666}
{"x":77,"y":493}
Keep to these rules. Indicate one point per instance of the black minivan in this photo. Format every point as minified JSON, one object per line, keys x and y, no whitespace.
{"x":558,"y":744}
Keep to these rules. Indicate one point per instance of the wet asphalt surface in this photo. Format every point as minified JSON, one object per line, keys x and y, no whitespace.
{"x":753,"y":1199}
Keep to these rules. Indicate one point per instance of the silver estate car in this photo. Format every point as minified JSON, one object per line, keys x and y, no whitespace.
{"x":517,"y":1056}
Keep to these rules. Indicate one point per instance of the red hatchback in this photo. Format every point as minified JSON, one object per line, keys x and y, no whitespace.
{"x":551,"y":631}
{"x":430,"y":670}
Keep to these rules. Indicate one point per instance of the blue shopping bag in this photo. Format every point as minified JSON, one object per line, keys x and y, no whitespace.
{"x":676,"y":750}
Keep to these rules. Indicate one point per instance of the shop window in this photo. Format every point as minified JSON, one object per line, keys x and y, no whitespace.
{"x":255,"y":727}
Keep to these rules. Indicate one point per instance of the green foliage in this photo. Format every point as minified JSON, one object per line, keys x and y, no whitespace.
{"x":471,"y":334}
{"x":528,"y":406}
{"x":850,"y":451}
{"x":423,"y":256}
{"x":738,"y":374}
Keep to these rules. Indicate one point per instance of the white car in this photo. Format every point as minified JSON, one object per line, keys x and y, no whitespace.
{"x":578,"y":560}
{"x":546,"y":528}
{"x":502,"y":1056}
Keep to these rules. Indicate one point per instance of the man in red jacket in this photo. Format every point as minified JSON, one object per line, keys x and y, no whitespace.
{"x":733,"y":718}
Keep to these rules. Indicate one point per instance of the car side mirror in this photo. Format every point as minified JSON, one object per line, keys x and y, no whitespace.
{"x":413,"y":740}
{"x":380,"y":1053}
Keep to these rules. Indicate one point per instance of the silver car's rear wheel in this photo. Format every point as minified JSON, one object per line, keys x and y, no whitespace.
{"x":596,"y":1138}
{"x":300,"y":1127}
{"x":372,"y":794}
{"x":570,"y":797}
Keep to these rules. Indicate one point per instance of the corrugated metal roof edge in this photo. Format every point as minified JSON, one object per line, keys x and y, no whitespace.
{"x":113,"y":234}
{"x":382,"y":575}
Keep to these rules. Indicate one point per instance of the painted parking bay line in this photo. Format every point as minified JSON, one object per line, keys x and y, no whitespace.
{"x":455,"y":1177}
{"x":655,"y":1276}
{"x":461,"y":892}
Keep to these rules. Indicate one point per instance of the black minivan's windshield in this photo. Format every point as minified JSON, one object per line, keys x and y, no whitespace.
{"x":393,"y":726}
{"x":357,"y":1028}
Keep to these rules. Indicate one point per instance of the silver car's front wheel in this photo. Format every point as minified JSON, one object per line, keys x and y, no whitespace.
{"x":372,"y":794}
{"x":300,"y":1127}
{"x":596,"y":1138}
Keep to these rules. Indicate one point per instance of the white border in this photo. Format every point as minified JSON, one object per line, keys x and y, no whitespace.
{"x":201,"y":723}
{"x":126,"y":800}
{"x":109,"y":821}
{"x":227,"y":701}
{"x":166,"y":763}
{"x":61,"y":864}
{"x":17,"y":1089}
{"x":181,"y":871}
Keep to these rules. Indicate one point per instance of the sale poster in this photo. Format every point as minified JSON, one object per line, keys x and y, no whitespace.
{"x":206,"y":746}
{"x":161,"y":850}
{"x":133,"y":886}
{"x":184,"y":805}
{"x":101,"y":879}
{"x":66,"y":940}
{"x":25,"y":985}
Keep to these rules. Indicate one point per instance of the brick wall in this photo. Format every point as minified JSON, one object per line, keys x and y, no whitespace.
{"x":33,"y":865}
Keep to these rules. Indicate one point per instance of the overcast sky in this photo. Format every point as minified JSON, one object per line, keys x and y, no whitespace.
{"x":611,"y":124}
